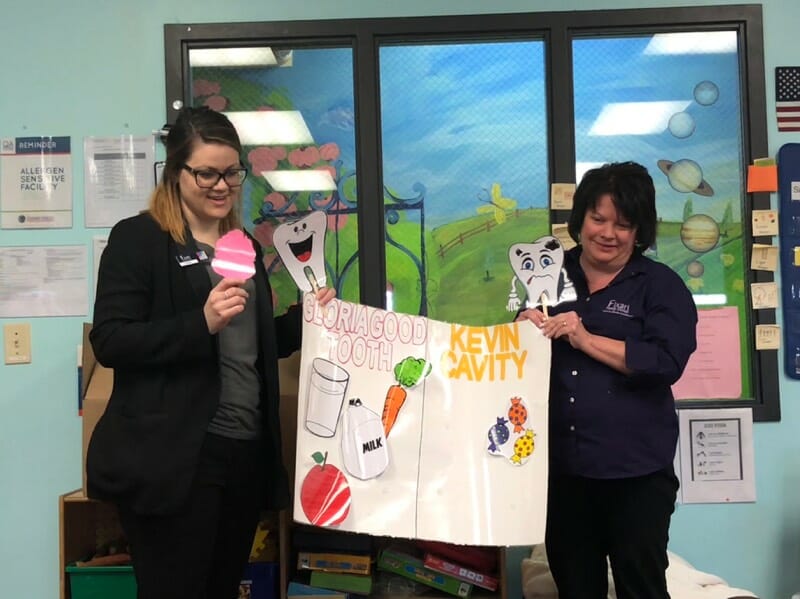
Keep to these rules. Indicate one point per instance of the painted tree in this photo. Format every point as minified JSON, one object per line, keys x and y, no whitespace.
{"x":688,"y":210}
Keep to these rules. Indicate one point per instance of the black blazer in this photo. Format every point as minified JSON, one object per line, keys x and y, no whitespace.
{"x":149,"y":327}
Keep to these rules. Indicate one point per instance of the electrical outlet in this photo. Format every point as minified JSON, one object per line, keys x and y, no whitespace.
{"x":17,"y":343}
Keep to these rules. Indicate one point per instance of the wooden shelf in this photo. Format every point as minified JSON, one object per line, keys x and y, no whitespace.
{"x":83,"y":525}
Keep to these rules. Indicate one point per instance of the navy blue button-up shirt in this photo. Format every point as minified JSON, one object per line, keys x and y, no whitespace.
{"x":603,"y":423}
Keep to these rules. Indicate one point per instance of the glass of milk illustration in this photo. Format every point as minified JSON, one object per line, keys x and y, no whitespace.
{"x":326,"y":390}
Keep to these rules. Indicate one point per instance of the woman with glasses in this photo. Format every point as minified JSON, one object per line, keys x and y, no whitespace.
{"x":189,"y":447}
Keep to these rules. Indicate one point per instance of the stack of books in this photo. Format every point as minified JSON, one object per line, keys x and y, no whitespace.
{"x":332,"y":561}
{"x":476,"y":565}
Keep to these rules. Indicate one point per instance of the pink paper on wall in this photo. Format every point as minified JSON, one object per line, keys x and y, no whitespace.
{"x":714,"y":371}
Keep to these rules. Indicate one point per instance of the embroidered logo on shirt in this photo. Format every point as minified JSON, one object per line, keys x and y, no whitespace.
{"x":615,"y":307}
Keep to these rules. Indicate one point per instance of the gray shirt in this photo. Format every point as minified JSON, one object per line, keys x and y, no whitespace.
{"x":238,"y":415}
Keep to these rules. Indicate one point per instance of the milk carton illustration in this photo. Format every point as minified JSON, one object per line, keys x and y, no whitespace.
{"x":363,"y":442}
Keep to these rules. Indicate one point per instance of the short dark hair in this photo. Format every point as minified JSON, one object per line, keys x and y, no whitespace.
{"x":632,"y":191}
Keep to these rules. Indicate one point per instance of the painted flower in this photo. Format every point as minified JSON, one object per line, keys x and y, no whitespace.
{"x":263,"y":233}
{"x":265,"y":158}
{"x":203,"y":87}
{"x":304,"y":157}
{"x":329,"y":151}
{"x":217,"y":103}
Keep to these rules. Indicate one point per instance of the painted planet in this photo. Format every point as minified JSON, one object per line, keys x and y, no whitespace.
{"x":706,"y":93}
{"x":685,"y":176}
{"x":681,"y":124}
{"x":700,"y":233}
{"x":695,"y":268}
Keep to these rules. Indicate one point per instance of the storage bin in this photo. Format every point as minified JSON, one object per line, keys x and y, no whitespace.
{"x":102,"y":582}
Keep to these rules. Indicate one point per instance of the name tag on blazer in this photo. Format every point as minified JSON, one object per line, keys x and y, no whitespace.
{"x":188,"y":260}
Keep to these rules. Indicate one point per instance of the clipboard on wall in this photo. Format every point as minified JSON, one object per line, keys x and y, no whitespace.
{"x":789,"y":235}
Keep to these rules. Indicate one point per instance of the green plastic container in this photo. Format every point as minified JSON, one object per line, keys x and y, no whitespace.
{"x":102,"y":582}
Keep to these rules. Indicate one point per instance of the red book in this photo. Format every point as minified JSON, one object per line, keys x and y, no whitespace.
{"x":479,"y":579}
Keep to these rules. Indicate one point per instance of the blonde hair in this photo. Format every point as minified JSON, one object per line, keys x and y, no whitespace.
{"x":192,"y":125}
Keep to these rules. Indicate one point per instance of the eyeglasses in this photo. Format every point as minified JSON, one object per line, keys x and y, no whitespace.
{"x":207,"y":178}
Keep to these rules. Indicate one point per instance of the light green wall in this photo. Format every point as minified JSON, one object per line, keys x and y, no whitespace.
{"x":97,"y":68}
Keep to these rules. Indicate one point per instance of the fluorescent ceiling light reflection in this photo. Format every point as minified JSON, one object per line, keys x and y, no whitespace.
{"x":284,"y":127}
{"x":300,"y":180}
{"x":710,"y":299}
{"x":231,"y":57}
{"x":694,"y":42}
{"x":635,"y":118}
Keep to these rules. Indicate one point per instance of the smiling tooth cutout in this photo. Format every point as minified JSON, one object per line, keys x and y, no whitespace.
{"x":301,"y":246}
{"x":539,"y":267}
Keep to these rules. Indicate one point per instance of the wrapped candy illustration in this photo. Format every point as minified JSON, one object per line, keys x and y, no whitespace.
{"x":234,"y":256}
{"x":517,"y":444}
{"x":301,"y":246}
{"x":523,"y":447}
{"x":517,"y":414}
{"x":539,"y":267}
{"x":498,"y":434}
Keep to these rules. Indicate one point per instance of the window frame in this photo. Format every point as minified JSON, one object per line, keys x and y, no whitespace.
{"x":557,"y":30}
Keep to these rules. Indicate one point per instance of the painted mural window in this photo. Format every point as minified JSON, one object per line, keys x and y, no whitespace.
{"x":671,"y":101}
{"x":294,"y":110}
{"x":465,"y":172}
{"x":433,"y":141}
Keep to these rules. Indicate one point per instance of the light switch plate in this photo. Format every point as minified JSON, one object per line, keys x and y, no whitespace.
{"x":17,"y":343}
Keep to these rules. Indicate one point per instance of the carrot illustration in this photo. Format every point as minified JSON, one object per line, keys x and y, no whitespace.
{"x":407,"y":372}
{"x":395,"y":398}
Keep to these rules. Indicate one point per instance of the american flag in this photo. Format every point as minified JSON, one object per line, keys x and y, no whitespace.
{"x":787,"y":98}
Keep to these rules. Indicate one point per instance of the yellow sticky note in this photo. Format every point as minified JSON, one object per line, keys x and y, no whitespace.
{"x":764,"y":295}
{"x":561,"y":233}
{"x":561,"y":196}
{"x":768,"y":336}
{"x":765,"y":257}
{"x":765,"y":223}
{"x":796,"y":256}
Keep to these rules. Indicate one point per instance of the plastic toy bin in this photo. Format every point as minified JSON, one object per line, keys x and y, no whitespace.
{"x":103,"y":582}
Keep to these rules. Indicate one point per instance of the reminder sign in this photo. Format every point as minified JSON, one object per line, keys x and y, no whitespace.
{"x":416,"y":428}
{"x":35,"y":183}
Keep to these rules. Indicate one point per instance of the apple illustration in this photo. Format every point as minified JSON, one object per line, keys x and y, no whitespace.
{"x":325,"y":493}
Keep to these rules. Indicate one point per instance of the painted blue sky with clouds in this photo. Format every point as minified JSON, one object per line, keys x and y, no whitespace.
{"x":459,"y":117}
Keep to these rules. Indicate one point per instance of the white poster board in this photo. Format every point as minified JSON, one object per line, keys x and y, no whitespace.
{"x":466,"y":458}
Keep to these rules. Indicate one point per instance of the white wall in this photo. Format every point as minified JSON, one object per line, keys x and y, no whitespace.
{"x":97,"y":68}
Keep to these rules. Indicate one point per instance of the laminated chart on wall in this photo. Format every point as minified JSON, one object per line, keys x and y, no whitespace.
{"x":789,"y":214}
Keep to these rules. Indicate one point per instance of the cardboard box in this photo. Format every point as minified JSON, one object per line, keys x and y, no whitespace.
{"x":96,"y":384}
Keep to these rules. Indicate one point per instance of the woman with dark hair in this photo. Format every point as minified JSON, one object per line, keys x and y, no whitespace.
{"x":189,"y":447}
{"x":617,"y":349}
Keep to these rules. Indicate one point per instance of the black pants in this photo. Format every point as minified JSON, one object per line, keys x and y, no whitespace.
{"x":626,"y":520}
{"x":201,"y":552}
